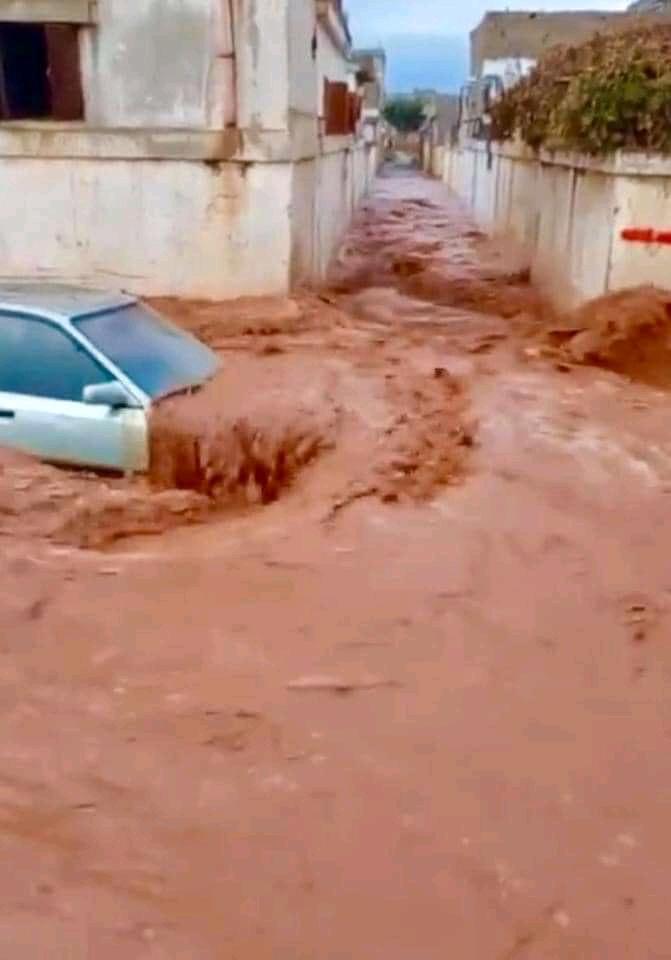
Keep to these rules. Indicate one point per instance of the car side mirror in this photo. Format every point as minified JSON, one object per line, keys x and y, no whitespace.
{"x":112,"y":394}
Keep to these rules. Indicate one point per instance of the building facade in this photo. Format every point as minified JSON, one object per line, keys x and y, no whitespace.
{"x":204,"y":148}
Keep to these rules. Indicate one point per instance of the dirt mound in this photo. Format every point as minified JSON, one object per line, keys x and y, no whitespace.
{"x":628,"y":331}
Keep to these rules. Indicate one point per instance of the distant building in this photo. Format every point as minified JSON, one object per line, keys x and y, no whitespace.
{"x":371,"y":66}
{"x":370,"y":71}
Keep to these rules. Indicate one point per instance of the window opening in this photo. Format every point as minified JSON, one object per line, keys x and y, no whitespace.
{"x":40,"y":72}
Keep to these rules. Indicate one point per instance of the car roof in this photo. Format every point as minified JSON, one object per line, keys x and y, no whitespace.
{"x":58,"y":300}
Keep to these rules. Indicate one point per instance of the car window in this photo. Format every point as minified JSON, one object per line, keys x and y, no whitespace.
{"x":156,"y":355}
{"x":38,"y":359}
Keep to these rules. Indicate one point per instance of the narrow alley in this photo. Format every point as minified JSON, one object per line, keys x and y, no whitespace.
{"x":416,"y":706}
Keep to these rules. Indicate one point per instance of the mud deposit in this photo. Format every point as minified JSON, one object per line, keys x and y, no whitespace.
{"x":628,"y":331}
{"x":390,"y":678}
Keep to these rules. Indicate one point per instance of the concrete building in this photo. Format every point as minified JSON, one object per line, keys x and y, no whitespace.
{"x":370,"y":74}
{"x":372,"y":67}
{"x":200,"y":148}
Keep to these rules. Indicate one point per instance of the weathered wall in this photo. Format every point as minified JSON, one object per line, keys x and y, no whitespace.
{"x":331,"y":65}
{"x":304,"y":191}
{"x":262,"y":63}
{"x":302,"y":62}
{"x":212,"y":231}
{"x":159,"y":191}
{"x":326,"y":192}
{"x":159,"y":63}
{"x":569,"y":212}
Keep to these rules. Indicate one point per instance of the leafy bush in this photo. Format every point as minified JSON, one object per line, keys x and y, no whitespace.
{"x":611,"y":93}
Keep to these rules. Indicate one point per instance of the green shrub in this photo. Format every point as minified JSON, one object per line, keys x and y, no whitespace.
{"x":611,"y":93}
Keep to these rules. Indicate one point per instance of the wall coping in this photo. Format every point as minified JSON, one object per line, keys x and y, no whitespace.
{"x":34,"y":140}
{"x":622,"y":163}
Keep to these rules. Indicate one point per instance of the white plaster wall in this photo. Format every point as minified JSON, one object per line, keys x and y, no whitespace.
{"x":333,"y":208}
{"x":555,"y":220}
{"x":331,"y":64}
{"x":569,"y":213}
{"x":302,"y":64}
{"x":182,"y":229}
{"x":592,"y":223}
{"x":159,"y":63}
{"x":484,"y":184}
{"x":360,"y":162}
{"x":633,"y":263}
{"x":304,"y":201}
{"x":340,"y":180}
{"x":262,"y":63}
{"x":521,"y":205}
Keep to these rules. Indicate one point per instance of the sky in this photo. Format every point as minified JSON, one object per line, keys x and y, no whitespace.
{"x":427,"y":40}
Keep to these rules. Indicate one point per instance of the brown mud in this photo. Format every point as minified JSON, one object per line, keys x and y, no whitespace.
{"x":628,"y":331}
{"x":416,"y":705}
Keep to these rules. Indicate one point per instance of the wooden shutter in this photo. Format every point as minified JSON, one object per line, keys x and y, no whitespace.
{"x":65,"y":79}
{"x":337,"y":108}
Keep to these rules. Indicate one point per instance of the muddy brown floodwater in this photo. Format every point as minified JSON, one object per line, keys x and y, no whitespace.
{"x":376,"y":662}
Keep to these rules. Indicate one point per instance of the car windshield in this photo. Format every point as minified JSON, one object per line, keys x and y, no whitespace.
{"x":157,"y":356}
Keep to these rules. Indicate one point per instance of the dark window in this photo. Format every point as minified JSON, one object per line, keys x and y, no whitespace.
{"x":40,"y":74}
{"x":37,"y":359}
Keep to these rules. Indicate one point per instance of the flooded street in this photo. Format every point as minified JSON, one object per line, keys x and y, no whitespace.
{"x":396,"y":686}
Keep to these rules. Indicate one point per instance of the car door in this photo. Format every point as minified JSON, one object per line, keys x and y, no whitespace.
{"x":43,"y":372}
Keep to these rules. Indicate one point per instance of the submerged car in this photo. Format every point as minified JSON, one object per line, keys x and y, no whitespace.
{"x":80,"y":370}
